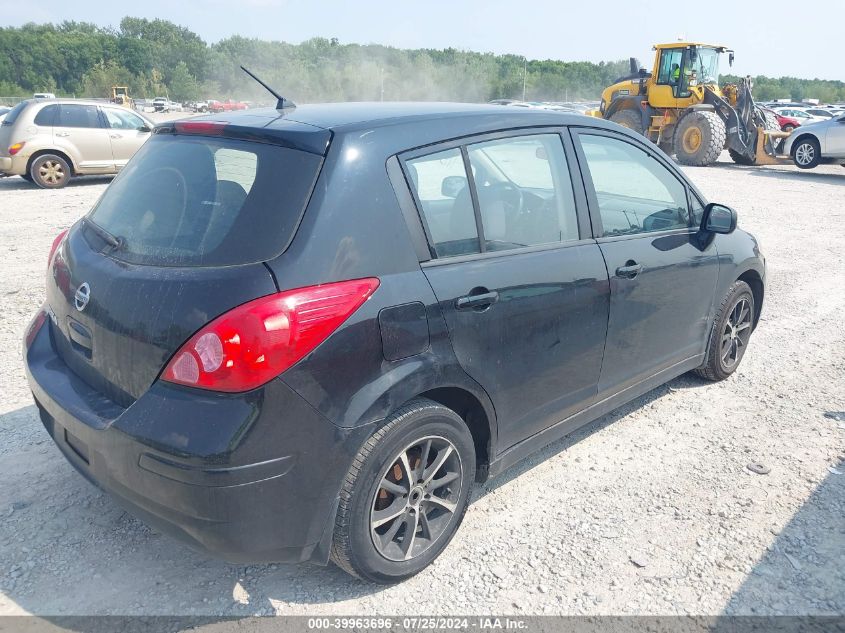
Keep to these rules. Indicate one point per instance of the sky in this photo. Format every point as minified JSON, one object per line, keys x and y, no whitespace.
{"x":772,"y":37}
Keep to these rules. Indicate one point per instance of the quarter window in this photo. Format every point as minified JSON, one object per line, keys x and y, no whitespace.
{"x":75,"y":115}
{"x":442,"y":189}
{"x":636,"y":194}
{"x":46,"y":116}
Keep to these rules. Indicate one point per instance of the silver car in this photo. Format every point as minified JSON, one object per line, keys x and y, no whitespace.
{"x":48,"y":141}
{"x":818,"y":143}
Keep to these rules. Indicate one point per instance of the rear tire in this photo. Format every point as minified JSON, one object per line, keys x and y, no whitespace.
{"x":730,"y":333}
{"x":806,"y":153}
{"x":393,"y":520}
{"x":699,"y":138}
{"x":629,"y":119}
{"x":50,"y":171}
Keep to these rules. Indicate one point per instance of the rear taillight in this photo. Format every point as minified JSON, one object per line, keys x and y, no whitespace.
{"x":253,"y":343}
{"x":55,"y":246}
{"x":14,"y":149}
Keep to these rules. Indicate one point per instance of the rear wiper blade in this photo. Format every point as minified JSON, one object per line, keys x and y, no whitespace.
{"x":108,"y":238}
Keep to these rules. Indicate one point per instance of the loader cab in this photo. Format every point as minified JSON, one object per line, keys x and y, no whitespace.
{"x":682,"y":69}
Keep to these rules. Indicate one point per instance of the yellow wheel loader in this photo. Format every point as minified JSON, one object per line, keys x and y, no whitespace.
{"x":120,"y":95}
{"x":680,"y":107}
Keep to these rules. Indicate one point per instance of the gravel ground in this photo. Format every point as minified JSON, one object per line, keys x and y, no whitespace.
{"x":649,"y":510}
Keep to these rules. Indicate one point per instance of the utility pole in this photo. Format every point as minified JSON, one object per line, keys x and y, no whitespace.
{"x":382,"y":82}
{"x":524,"y":75}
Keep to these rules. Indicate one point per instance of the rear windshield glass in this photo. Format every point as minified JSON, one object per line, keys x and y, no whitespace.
{"x":196,"y":201}
{"x":14,"y":112}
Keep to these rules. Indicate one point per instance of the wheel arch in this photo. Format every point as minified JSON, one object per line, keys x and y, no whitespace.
{"x":758,"y":290}
{"x":56,"y":152}
{"x":801,"y":137}
{"x":473,"y":413}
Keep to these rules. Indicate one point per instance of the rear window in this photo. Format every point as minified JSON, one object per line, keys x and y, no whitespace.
{"x":14,"y":112}
{"x":196,"y":201}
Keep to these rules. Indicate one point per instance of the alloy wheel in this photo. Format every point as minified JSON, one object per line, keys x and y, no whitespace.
{"x":736,"y":333}
{"x":805,"y":153}
{"x":416,"y":498}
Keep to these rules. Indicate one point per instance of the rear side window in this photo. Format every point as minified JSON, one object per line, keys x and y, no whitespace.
{"x":46,"y":117}
{"x":196,"y":201}
{"x":15,"y":112}
{"x":75,"y":115}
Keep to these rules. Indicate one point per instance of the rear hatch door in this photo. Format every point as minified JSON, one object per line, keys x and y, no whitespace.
{"x":177,"y":239}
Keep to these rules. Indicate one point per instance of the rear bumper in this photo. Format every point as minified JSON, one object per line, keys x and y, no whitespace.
{"x":248,"y":477}
{"x":5,"y":164}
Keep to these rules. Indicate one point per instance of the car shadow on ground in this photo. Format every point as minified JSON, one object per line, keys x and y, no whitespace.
{"x":16,"y":183}
{"x":73,"y":551}
{"x":800,"y":175}
{"x":803,"y":571}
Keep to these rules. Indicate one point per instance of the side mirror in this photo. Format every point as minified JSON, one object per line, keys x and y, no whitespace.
{"x":144,"y":128}
{"x":452,"y":186}
{"x":718,"y":219}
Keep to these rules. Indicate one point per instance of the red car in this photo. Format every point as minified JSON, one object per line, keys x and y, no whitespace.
{"x":226,"y":106}
{"x":787,"y":123}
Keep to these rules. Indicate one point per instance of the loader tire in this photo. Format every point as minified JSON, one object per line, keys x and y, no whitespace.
{"x":628,"y":118}
{"x":699,"y":138}
{"x":771,"y":124}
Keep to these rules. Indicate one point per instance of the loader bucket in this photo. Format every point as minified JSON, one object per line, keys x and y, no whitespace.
{"x":766,"y":143}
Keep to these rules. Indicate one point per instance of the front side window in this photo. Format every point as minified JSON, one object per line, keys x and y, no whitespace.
{"x":75,"y":115}
{"x":123,"y":120}
{"x":441,"y":185}
{"x":524,"y":191}
{"x":636,"y":194}
{"x":670,"y":66}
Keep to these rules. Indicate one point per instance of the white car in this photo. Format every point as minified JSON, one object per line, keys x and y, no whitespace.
{"x":801,"y":115}
{"x":818,"y":143}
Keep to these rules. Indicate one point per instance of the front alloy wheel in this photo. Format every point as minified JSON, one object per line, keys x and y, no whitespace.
{"x":736,"y":333}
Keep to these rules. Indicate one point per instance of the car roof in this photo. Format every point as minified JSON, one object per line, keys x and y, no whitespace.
{"x":356,"y":115}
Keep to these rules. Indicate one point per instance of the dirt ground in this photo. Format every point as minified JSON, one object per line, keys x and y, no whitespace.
{"x":649,"y":510}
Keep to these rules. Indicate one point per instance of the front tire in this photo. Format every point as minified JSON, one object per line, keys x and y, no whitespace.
{"x":806,"y":153}
{"x":405,"y":494}
{"x":50,"y":171}
{"x":699,"y":138}
{"x":730,"y":333}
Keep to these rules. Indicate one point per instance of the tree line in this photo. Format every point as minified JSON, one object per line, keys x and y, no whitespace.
{"x":158,"y":58}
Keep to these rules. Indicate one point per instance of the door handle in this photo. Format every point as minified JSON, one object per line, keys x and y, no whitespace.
{"x":116,"y":135}
{"x":630,"y":270}
{"x":62,"y":133}
{"x":481,"y":300}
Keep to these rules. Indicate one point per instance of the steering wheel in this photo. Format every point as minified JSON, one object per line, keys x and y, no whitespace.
{"x":508,"y":193}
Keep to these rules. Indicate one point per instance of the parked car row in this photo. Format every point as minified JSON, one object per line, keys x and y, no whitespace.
{"x":49,"y":141}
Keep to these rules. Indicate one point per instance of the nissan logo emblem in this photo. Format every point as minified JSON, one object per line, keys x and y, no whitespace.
{"x":83,"y":294}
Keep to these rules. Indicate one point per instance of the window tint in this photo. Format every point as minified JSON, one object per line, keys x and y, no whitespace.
{"x":206,"y":202}
{"x":636,"y":194}
{"x":46,"y":116}
{"x":14,"y":112}
{"x":74,"y":115}
{"x":123,"y":119}
{"x":440,"y":182}
{"x":524,"y":191}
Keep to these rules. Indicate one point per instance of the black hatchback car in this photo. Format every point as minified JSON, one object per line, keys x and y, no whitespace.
{"x":301,"y":335}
